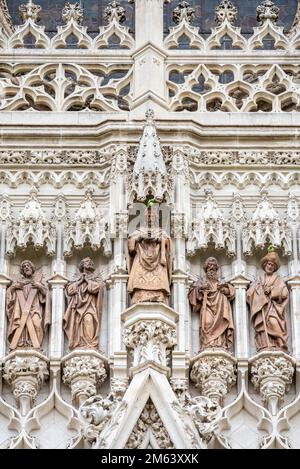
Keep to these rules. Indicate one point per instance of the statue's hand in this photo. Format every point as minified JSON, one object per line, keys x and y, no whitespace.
{"x":38,"y":285}
{"x":267,"y":290}
{"x":225,"y":290}
{"x":17,"y":286}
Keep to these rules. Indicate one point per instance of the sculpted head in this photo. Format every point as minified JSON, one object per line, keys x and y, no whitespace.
{"x":211,"y":268}
{"x":86,"y":265}
{"x":27,"y":269}
{"x":270,"y":263}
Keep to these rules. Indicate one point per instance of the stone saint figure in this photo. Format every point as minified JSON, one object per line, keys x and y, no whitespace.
{"x":28,"y":309}
{"x":83,"y":316}
{"x":212,"y":299}
{"x":150,"y":262}
{"x":268,"y":298}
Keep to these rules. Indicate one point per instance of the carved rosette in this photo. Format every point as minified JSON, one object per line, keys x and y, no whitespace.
{"x":272,"y":374}
{"x":25,"y":371}
{"x":214,"y":373}
{"x":82,"y":372}
{"x":150,"y":341}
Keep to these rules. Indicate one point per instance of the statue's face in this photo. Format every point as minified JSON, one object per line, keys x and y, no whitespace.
{"x":212,"y":271}
{"x":270,"y":267}
{"x":88,"y":264}
{"x":27,"y":269}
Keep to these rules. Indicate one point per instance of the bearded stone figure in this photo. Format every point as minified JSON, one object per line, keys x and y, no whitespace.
{"x":212,"y":299}
{"x":150,"y":262}
{"x":28,"y":309}
{"x":268,"y":298}
{"x":83,"y":316}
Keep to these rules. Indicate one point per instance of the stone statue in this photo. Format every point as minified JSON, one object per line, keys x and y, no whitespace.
{"x":212,"y":300}
{"x":150,"y":262}
{"x":83,"y":316}
{"x":28,"y":309}
{"x":268,"y":298}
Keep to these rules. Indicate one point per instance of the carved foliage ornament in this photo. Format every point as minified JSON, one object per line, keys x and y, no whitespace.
{"x":183,"y":12}
{"x":150,"y":340}
{"x":225,"y":11}
{"x":72,"y":11}
{"x":30,"y":11}
{"x":267,"y":11}
{"x":114,"y":12}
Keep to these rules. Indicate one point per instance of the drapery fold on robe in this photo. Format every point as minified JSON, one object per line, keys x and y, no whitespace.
{"x":269,"y":310}
{"x":216,"y":322}
{"x":86,"y":299}
{"x":34,"y":302}
{"x":151,"y":268}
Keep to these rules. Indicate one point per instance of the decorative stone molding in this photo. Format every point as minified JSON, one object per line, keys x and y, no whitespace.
{"x":114,"y":12}
{"x":31,"y":226}
{"x":214,"y":373}
{"x":183,"y":12}
{"x":272,"y":374}
{"x":180,"y":387}
{"x":150,"y":332}
{"x":208,"y":226}
{"x":100,"y":415}
{"x":83,"y":371}
{"x":149,"y":176}
{"x":72,"y":11}
{"x":119,"y":387}
{"x":5,"y":18}
{"x":88,"y":226}
{"x":149,"y":421}
{"x":206,"y":415}
{"x":267,"y":11}
{"x":266,"y":227}
{"x":30,"y":11}
{"x":225,"y":11}
{"x":150,"y":341}
{"x":25,"y":371}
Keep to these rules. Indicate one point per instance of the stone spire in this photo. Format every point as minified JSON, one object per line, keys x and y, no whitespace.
{"x":150,"y":157}
{"x":30,"y":11}
{"x":150,"y":177}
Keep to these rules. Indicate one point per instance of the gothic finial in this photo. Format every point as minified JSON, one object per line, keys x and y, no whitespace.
{"x":30,"y":11}
{"x":226,"y":10}
{"x":267,"y":11}
{"x":72,"y":11}
{"x":183,"y":12}
{"x":114,"y":12}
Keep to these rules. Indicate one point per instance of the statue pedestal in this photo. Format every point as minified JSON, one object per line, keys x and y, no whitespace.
{"x":214,"y":373}
{"x":150,"y":333}
{"x":83,"y":370}
{"x":272,"y":374}
{"x":25,"y":371}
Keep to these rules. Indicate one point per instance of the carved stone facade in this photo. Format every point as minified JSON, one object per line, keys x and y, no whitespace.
{"x":194,"y":116}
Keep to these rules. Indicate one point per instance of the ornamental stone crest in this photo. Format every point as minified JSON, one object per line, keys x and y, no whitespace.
{"x":72,"y":11}
{"x":225,"y":11}
{"x":267,"y":11}
{"x":114,"y":12}
{"x":183,"y":12}
{"x":30,"y":11}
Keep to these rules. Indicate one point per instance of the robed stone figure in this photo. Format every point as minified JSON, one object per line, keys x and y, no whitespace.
{"x":212,"y":300}
{"x":83,"y":316}
{"x":268,"y":298}
{"x":150,"y":262}
{"x":28,"y":309}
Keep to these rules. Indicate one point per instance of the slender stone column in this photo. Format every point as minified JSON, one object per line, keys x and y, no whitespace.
{"x":241,"y":317}
{"x":294,"y":286}
{"x":56,"y":342}
{"x":4,"y":283}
